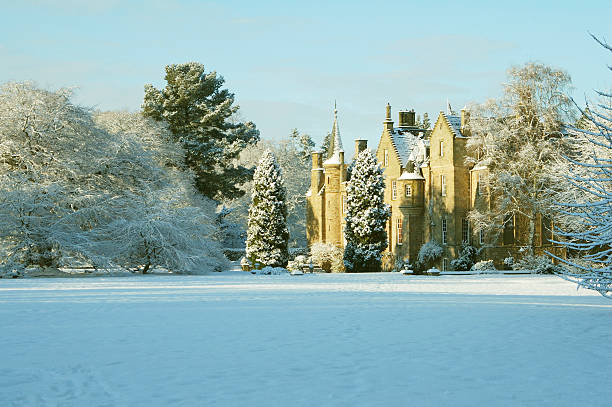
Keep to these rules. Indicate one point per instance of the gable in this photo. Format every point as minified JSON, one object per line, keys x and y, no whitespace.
{"x":386,"y":143}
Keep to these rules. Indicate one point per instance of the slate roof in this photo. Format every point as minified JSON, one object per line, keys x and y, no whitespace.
{"x":455,"y":124}
{"x":404,"y":142}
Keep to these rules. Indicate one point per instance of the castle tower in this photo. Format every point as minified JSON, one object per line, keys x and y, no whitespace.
{"x":335,"y":175}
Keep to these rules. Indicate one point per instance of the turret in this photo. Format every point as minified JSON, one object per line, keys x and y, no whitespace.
{"x":317,"y":173}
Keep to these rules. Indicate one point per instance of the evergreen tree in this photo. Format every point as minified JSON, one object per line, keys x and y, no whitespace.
{"x":367,"y":215}
{"x":327,"y":147}
{"x":303,"y":144}
{"x":201,"y":115}
{"x":426,"y":122}
{"x":267,"y":234}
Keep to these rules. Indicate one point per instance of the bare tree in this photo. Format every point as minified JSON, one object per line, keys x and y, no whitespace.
{"x":519,"y":139}
{"x":591,"y":235}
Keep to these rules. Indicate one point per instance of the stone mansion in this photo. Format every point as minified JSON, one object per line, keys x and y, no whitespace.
{"x":429,"y":189}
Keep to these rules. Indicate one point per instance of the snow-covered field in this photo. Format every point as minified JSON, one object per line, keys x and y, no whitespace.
{"x":313,"y":340}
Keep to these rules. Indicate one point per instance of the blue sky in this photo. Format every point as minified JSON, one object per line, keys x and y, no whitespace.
{"x":288,"y":61}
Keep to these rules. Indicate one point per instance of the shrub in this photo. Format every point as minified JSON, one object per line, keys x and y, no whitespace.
{"x":466,"y":258}
{"x":428,"y":254}
{"x":328,"y":257}
{"x":298,"y":263}
{"x":484,"y":265}
{"x":270,"y":271}
{"x":537,"y":264}
{"x":509,"y":262}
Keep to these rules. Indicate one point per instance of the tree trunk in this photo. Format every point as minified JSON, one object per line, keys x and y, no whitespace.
{"x":146,"y":268}
{"x":531,"y":234}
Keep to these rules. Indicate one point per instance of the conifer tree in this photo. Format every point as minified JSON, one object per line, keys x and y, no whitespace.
{"x":267,"y":234}
{"x":367,"y":215}
{"x":426,"y":122}
{"x":200,"y":114}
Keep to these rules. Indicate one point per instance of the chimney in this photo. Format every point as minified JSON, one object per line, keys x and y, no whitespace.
{"x":341,"y":157}
{"x":360,"y":145}
{"x":406,"y":118}
{"x":388,"y":123}
{"x":317,"y":159}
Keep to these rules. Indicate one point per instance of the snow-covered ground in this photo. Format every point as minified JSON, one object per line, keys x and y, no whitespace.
{"x":313,"y":340}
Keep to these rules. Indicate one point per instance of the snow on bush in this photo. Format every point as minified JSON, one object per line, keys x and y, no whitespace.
{"x":271,"y":271}
{"x":466,"y":258}
{"x":267,"y":234}
{"x":484,"y":265}
{"x":429,"y":253}
{"x":537,"y":264}
{"x":328,"y":257}
{"x":298,"y":263}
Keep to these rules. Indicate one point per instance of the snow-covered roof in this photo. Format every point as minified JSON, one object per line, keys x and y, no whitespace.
{"x":334,"y":159}
{"x":404,"y":143}
{"x":410,"y":175}
{"x":455,"y":124}
{"x":482,"y":165}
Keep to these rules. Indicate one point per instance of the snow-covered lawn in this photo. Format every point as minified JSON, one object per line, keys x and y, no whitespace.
{"x":313,"y":340}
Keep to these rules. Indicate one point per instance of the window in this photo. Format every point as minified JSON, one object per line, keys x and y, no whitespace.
{"x":443,"y":184}
{"x":386,"y":158}
{"x":480,"y":186}
{"x":444,"y":231}
{"x":481,"y":236}
{"x":393,"y":189}
{"x":408,"y":190}
{"x":398,"y":229}
{"x":328,"y":180}
{"x":442,"y":148}
{"x":444,"y":264}
{"x":465,"y":231}
{"x":343,"y":203}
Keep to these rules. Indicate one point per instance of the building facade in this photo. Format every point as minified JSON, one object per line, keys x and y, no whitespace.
{"x":429,"y":187}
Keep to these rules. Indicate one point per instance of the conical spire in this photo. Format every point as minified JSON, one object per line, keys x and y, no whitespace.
{"x":337,"y":141}
{"x":335,"y":146}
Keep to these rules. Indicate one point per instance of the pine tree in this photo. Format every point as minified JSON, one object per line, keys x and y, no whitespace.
{"x":201,"y":115}
{"x":426,"y":121}
{"x":267,"y":234}
{"x":303,"y":144}
{"x":367,"y":215}
{"x":327,"y":147}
